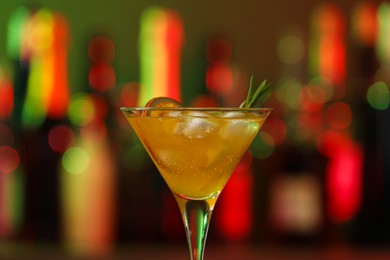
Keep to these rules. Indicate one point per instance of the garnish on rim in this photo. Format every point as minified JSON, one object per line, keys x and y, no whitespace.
{"x":163,"y":102}
{"x":160,"y":102}
{"x":257,"y":98}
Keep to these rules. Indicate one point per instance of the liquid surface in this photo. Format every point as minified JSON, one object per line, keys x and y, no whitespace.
{"x":196,"y":152}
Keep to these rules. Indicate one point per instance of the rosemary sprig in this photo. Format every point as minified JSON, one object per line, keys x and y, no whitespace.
{"x":257,"y":98}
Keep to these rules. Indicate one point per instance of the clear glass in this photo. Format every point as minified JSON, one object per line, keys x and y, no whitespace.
{"x":196,"y":150}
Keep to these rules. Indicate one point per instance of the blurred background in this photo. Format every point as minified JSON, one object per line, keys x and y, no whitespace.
{"x":74,"y":178}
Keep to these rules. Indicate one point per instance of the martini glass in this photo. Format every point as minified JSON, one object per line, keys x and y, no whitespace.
{"x":196,"y":150}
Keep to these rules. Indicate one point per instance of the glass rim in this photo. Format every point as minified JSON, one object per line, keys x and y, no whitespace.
{"x":205,"y":109}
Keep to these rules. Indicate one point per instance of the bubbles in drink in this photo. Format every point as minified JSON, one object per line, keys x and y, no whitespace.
{"x":213,"y":154}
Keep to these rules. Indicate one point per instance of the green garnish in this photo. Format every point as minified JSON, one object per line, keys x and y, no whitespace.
{"x":257,"y":98}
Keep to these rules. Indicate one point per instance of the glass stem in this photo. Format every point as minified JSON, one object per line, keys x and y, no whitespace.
{"x":196,"y":216}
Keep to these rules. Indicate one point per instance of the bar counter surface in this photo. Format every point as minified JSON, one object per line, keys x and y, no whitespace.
{"x":213,"y":252}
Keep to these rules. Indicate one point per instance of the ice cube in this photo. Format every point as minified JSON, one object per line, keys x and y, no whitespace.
{"x":164,"y":113}
{"x":171,"y":114}
{"x":195,"y":125}
{"x":235,"y":128}
{"x":233,"y":114}
{"x":239,"y":125}
{"x":195,"y":114}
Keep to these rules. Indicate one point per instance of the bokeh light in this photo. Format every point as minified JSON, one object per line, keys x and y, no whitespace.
{"x":81,"y":109}
{"x":101,"y":49}
{"x":316,"y":94}
{"x":161,"y":37}
{"x":364,"y":23}
{"x":277,"y":128}
{"x":290,"y":49}
{"x":378,"y":96}
{"x":60,"y":138}
{"x":6,"y":94}
{"x":339,"y":115}
{"x":382,"y":43}
{"x":218,"y":49}
{"x":263,"y":145}
{"x":129,"y":94}
{"x":310,"y":124}
{"x":75,"y":160}
{"x":100,"y":104}
{"x":96,"y":128}
{"x":219,"y":78}
{"x":102,"y":77}
{"x":9,"y":159}
{"x":312,"y":98}
{"x":287,"y":92}
{"x":327,"y":55}
{"x":16,"y":24}
{"x":343,"y":174}
{"x":324,"y":84}
{"x":57,"y":96}
{"x":204,"y":101}
{"x":38,"y":48}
